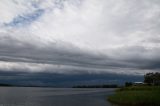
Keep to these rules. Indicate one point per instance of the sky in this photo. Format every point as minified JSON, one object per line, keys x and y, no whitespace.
{"x":74,"y":37}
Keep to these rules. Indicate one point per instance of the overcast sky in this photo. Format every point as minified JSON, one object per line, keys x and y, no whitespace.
{"x":80,"y":36}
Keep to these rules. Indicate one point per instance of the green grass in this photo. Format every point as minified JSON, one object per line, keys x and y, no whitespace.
{"x":137,"y":95}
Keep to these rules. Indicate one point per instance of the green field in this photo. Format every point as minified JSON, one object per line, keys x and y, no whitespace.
{"x":137,"y":96}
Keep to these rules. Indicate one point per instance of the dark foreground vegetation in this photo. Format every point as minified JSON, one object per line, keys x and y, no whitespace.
{"x":146,"y":94}
{"x":96,"y":86}
{"x":137,"y":96}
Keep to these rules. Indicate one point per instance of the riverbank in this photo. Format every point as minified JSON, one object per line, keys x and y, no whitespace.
{"x":137,"y":96}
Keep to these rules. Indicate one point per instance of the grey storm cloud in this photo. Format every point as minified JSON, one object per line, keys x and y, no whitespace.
{"x":67,"y":57}
{"x":81,"y":36}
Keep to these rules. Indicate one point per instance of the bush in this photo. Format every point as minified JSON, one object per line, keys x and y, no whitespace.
{"x":127,"y":84}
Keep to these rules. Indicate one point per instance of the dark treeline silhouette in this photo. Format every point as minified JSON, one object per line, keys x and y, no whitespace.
{"x":5,"y":85}
{"x":149,"y":79}
{"x":96,"y":86}
{"x":152,"y":78}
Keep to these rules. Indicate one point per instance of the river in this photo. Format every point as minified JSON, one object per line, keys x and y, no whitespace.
{"x":32,"y":96}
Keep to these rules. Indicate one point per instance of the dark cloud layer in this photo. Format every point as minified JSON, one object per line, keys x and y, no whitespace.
{"x":60,"y":80}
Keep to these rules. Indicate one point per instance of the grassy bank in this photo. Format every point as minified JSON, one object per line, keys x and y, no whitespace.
{"x":137,"y":96}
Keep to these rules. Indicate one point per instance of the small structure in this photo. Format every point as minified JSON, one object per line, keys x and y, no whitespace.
{"x":138,"y":83}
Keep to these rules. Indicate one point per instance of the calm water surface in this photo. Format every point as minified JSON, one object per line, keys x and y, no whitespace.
{"x":26,"y":96}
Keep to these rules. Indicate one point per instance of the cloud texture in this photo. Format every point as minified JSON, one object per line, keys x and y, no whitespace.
{"x":80,"y":36}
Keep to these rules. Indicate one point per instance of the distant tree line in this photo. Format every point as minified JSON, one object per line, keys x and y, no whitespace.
{"x":5,"y":85}
{"x":96,"y":86}
{"x":149,"y":79}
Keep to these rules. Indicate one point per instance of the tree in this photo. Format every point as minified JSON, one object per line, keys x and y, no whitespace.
{"x":152,"y":78}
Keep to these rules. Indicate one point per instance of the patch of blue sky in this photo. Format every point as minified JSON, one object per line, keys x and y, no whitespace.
{"x":59,"y":4}
{"x":25,"y":19}
{"x":35,"y":4}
